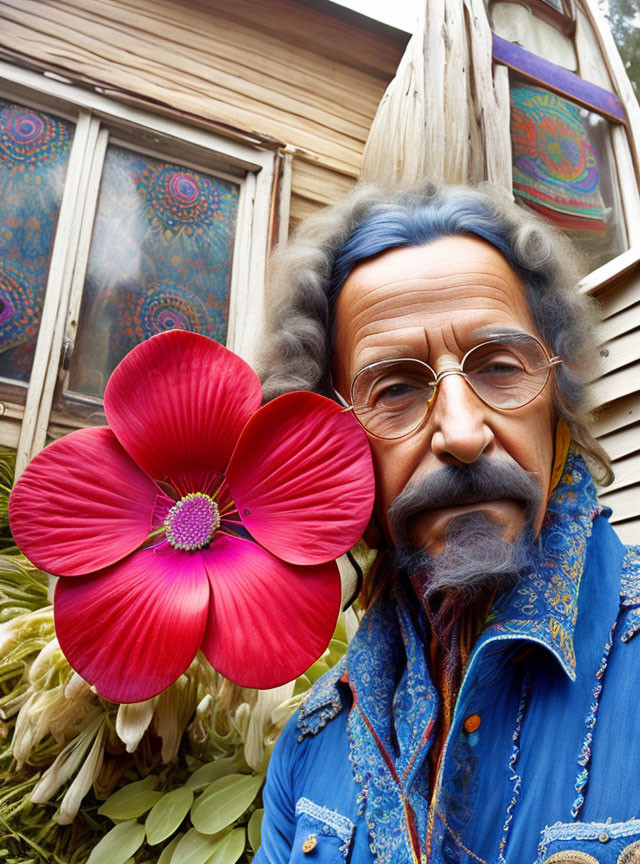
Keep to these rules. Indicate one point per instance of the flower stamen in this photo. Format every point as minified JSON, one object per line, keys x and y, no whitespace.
{"x":192,"y":521}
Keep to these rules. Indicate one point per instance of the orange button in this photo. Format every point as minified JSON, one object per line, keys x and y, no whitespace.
{"x":309,"y":844}
{"x":472,"y":723}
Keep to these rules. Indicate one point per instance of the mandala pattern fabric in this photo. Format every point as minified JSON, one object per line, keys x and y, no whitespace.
{"x":555,"y":166}
{"x":161,"y":257}
{"x":34,"y":150}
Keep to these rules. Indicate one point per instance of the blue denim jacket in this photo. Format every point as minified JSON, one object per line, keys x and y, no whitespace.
{"x":552,"y":771}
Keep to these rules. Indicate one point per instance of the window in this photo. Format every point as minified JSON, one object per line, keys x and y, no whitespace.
{"x":563,"y":159}
{"x":34,"y":153}
{"x":563,"y":168}
{"x":115,"y":224}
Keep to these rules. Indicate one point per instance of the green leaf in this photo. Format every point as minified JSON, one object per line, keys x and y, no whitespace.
{"x":224,"y":802}
{"x":167,"y":852}
{"x":131,"y":801}
{"x":210,"y":772}
{"x":195,"y":848}
{"x":119,"y":844}
{"x":302,"y":685}
{"x":230,"y":849}
{"x":254,"y":829}
{"x":337,"y":649}
{"x":317,"y":670}
{"x":167,"y":814}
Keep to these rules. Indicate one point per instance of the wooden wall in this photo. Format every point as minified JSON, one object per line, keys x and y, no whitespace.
{"x":618,"y":390}
{"x":305,"y":76}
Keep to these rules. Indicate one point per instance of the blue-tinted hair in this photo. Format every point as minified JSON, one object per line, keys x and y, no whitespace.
{"x":387,"y":228}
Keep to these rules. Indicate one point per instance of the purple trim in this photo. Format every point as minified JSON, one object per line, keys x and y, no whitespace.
{"x":559,"y":79}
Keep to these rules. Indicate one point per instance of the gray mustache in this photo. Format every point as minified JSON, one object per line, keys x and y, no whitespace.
{"x":454,"y":486}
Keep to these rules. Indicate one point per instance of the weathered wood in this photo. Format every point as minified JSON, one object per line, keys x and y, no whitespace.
{"x":620,"y":352}
{"x":622,"y":443}
{"x":624,"y":322}
{"x":624,"y":504}
{"x":627,"y":471}
{"x":604,"y":282}
{"x":629,"y":531}
{"x":614,"y":386}
{"x":590,"y":65}
{"x":617,"y":416}
{"x":427,"y":127}
{"x":238,"y":66}
{"x":313,"y":181}
{"x":492,"y":105}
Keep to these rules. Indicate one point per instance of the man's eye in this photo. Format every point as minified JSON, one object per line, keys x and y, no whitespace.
{"x":394,"y":394}
{"x":502,"y":368}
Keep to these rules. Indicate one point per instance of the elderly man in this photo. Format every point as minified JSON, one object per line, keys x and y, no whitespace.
{"x":487,"y":709}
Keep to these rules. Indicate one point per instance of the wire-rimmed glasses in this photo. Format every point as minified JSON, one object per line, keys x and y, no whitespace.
{"x":392,"y":398}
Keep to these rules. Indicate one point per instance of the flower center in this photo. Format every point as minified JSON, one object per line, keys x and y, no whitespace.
{"x":192,"y":522}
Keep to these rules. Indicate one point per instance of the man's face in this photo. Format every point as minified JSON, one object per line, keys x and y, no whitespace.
{"x":434,"y":303}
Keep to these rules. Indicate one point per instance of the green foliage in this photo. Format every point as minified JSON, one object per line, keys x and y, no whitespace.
{"x":254,"y":828}
{"x":224,"y":801}
{"x":168,"y":814}
{"x":119,"y":844}
{"x":132,"y":800}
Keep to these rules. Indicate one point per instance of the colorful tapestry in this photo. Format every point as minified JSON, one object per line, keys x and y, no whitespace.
{"x":555,"y":165}
{"x":34,"y":150}
{"x":161,"y":256}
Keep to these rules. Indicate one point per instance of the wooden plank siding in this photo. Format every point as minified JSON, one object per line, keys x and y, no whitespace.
{"x":617,"y":389}
{"x":296,"y":75}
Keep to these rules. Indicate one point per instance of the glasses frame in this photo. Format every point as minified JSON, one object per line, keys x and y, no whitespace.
{"x":438,"y":377}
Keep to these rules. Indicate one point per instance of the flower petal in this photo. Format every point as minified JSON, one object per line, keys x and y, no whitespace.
{"x":268,"y":620}
{"x":82,"y":504}
{"x":302,"y":480}
{"x":178,"y":402}
{"x":132,"y":629}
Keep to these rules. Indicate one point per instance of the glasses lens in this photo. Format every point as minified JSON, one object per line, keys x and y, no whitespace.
{"x":509,"y":372}
{"x":391,"y":398}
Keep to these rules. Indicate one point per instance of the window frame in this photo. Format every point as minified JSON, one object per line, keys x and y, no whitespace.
{"x":99,"y":121}
{"x":509,"y":56}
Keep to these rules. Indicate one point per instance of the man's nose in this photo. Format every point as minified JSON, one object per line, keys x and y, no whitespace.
{"x":458,"y":420}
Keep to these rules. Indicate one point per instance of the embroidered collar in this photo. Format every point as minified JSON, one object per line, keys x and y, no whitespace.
{"x":543,"y":606}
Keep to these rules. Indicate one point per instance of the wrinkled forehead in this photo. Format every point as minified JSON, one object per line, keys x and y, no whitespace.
{"x":461,"y":286}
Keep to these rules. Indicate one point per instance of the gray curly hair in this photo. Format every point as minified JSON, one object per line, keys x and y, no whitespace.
{"x":308,"y":272}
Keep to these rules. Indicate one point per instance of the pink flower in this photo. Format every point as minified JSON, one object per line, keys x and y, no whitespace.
{"x":196,"y":520}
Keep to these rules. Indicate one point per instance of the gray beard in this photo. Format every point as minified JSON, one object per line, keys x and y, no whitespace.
{"x":476,"y":561}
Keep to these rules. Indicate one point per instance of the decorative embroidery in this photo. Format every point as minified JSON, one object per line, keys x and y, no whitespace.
{"x":585,"y":831}
{"x":543,"y":607}
{"x":323,"y":702}
{"x":630,"y":592}
{"x":629,"y":854}
{"x":571,"y":856}
{"x":391,"y":722}
{"x":514,"y":777}
{"x":585,"y":754}
{"x":331,"y":819}
{"x":386,"y":760}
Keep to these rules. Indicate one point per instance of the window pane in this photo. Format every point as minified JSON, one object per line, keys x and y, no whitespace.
{"x":517,"y":23}
{"x":34,"y":151}
{"x":563,"y":167}
{"x":160,"y":258}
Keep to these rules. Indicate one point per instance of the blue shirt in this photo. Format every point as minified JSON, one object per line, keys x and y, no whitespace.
{"x":554,"y":764}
